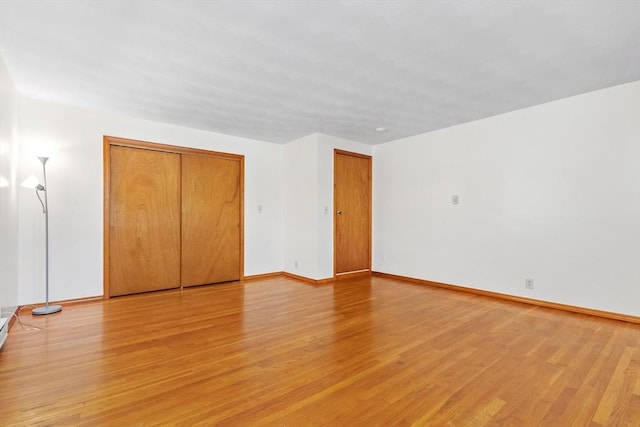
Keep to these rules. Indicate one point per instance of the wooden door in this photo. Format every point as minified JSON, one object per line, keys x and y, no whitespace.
{"x":144,"y":220}
{"x":211,"y":218}
{"x":352,"y":203}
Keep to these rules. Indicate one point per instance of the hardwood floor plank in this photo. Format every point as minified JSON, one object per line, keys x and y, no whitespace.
{"x":613,"y":405}
{"x":277,"y":351}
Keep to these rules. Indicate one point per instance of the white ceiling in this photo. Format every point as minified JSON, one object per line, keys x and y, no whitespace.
{"x":279,"y":70}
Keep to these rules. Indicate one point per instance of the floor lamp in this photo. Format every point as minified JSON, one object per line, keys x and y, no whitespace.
{"x":32,"y":182}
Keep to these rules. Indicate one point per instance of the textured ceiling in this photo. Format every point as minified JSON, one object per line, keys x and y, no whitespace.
{"x":279,"y":70}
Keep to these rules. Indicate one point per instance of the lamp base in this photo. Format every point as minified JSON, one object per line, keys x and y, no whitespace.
{"x":47,"y":309}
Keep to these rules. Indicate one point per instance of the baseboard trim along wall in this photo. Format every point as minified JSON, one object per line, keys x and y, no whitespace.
{"x":531,"y":301}
{"x":497,"y":295}
{"x":261,"y":276}
{"x":309,"y":280}
{"x":291,"y":276}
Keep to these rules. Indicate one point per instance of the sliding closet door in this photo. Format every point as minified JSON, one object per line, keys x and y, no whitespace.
{"x":144,"y":220}
{"x":211,"y":217}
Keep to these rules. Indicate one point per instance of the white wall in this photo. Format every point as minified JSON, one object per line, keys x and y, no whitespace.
{"x":9,"y":107}
{"x":75,"y":181}
{"x":550,"y":193}
{"x":301,"y":207}
{"x":308,"y":188}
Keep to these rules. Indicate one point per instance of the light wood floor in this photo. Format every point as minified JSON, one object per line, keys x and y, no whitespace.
{"x":368,"y":352}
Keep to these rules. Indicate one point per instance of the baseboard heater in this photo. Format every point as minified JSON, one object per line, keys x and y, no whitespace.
{"x":4,"y":331}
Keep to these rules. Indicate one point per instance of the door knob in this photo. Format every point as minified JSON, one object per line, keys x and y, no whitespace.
{"x":339,"y":213}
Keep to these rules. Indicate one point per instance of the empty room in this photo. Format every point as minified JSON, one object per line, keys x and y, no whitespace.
{"x":337,"y":213}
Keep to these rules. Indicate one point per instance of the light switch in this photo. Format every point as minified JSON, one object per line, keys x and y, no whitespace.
{"x":455,"y":199}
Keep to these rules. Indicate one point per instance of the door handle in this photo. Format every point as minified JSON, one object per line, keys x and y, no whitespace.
{"x":339,"y":213}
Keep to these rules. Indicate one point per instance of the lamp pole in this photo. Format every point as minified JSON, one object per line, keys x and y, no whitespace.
{"x":47,"y":309}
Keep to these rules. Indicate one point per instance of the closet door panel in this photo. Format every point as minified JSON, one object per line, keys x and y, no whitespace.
{"x":144,"y":220}
{"x":210,"y":220}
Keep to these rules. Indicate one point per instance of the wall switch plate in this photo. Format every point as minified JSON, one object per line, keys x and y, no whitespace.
{"x":528,"y":283}
{"x":455,"y":199}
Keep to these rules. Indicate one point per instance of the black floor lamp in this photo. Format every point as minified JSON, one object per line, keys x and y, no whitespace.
{"x":32,"y":182}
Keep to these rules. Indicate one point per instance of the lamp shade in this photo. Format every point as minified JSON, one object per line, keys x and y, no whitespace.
{"x":30,"y":182}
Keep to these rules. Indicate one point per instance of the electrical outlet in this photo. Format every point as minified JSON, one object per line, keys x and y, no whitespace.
{"x":295,"y":264}
{"x":528,"y":283}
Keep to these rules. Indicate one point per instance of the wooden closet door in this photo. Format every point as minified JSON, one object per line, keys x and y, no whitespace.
{"x":210,"y":220}
{"x":144,"y":220}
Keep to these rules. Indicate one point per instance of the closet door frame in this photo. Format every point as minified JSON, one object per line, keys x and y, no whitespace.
{"x":108,"y":142}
